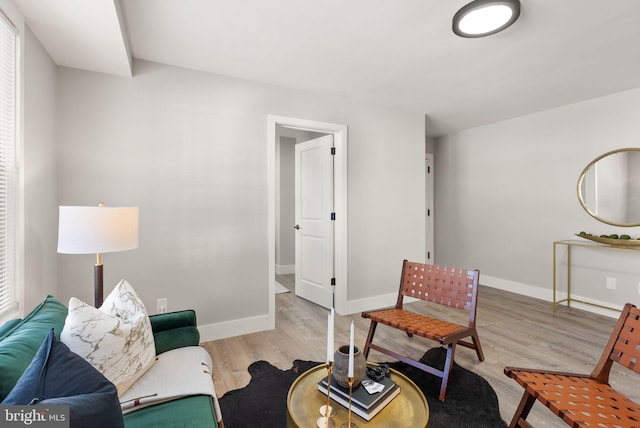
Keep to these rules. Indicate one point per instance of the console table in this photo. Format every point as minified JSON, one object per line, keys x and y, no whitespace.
{"x":586,"y":244}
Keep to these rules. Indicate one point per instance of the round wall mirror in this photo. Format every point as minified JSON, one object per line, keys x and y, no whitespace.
{"x":609,"y":187}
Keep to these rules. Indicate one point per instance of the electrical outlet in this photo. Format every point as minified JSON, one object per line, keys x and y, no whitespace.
{"x":611,"y":283}
{"x":639,"y":288}
{"x":162,"y":305}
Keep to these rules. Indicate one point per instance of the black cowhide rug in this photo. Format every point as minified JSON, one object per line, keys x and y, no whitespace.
{"x":471,"y":402}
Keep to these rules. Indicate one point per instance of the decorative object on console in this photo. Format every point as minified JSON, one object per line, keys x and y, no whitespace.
{"x":116,"y":338}
{"x":96,"y":230}
{"x":614,"y":239}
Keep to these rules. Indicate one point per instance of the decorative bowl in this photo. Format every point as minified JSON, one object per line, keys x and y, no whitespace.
{"x":611,"y":241}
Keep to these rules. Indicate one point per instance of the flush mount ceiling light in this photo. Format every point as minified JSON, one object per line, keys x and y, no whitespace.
{"x":485,"y":17}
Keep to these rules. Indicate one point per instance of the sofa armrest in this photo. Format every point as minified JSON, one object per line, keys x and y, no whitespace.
{"x":174,"y":330}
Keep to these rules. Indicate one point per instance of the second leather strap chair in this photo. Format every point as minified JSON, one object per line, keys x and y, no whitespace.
{"x":586,"y":400}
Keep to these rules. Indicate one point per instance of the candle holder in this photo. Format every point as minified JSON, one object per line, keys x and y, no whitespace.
{"x":327,"y":412}
{"x":349,"y":424}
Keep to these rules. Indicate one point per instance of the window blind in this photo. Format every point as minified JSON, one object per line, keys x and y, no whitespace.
{"x":8,"y":164}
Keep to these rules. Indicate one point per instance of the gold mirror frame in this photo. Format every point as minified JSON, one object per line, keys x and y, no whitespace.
{"x":581,"y":179}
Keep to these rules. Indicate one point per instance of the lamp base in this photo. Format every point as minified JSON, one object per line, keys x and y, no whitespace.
{"x":98,"y":285}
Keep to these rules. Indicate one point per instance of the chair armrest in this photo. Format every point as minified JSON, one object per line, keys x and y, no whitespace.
{"x":174,"y":330}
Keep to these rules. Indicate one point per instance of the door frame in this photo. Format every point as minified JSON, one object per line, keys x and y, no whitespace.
{"x":429,"y":216}
{"x":340,"y":138}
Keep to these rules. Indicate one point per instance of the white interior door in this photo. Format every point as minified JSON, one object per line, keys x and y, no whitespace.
{"x":314,"y":226}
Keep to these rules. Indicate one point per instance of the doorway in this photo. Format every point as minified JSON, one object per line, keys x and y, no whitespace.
{"x":302,"y":229}
{"x":276,"y":124}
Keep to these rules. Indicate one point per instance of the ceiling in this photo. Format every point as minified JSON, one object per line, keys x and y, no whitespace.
{"x":401,"y":54}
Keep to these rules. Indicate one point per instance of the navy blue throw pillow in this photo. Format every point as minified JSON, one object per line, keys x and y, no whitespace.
{"x":57,"y":376}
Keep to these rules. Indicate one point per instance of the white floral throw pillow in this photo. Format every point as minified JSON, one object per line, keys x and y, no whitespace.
{"x":116,"y":338}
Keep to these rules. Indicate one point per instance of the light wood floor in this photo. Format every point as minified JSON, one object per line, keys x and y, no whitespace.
{"x":514,"y":331}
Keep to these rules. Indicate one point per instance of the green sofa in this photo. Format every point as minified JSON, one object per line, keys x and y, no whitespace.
{"x":20,"y":339}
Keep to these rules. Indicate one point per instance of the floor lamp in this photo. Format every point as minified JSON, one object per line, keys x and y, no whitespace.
{"x":97,"y":230}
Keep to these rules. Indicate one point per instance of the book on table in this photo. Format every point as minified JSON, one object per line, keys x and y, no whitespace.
{"x":363,"y":404}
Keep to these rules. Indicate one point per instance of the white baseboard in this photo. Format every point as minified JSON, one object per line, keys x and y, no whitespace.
{"x":262,"y":322}
{"x":234,"y":328}
{"x":547,"y":294}
{"x":517,"y":287}
{"x":285,"y":269}
{"x":371,"y":303}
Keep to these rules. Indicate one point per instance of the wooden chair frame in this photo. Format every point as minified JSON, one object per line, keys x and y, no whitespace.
{"x":453,"y":287}
{"x":581,"y":399}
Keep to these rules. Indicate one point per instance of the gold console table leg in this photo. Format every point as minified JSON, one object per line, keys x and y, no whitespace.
{"x":556,"y":300}
{"x":568,"y":276}
{"x":555,"y":245}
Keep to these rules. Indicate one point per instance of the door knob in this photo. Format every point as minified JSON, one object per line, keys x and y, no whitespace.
{"x":296,"y":227}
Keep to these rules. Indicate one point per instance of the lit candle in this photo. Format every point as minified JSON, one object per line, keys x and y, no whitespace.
{"x":350,"y":373}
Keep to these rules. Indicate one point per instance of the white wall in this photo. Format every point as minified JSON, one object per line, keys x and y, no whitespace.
{"x":506,"y":191}
{"x":285,"y":236}
{"x":39,"y":171}
{"x":190,"y":149}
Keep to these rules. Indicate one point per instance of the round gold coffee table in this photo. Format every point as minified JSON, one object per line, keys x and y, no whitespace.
{"x":409,"y":409}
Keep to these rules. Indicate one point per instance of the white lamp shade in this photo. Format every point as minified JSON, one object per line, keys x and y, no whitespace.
{"x":94,"y":230}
